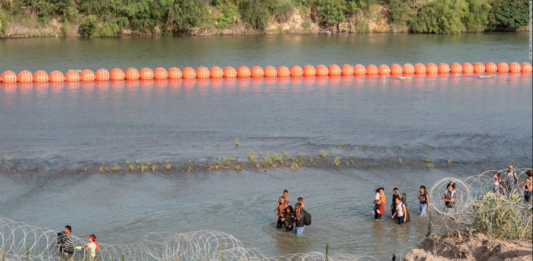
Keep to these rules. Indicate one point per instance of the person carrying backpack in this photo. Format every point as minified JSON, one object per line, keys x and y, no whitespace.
{"x":510,"y":180}
{"x":302,"y":218}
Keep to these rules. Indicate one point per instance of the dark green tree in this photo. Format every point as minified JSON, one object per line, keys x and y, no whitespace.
{"x":508,"y":14}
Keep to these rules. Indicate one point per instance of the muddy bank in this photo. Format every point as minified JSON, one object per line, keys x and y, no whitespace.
{"x":478,"y":247}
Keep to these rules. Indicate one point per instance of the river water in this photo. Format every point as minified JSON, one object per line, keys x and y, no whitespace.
{"x":54,"y":132}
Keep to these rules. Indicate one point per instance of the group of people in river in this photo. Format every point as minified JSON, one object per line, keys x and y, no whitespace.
{"x":504,"y":183}
{"x":291,"y":218}
{"x":66,"y":246}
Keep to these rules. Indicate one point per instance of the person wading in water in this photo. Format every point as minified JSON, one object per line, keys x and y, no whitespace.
{"x":423,"y":197}
{"x":280,"y":209}
{"x":383,"y":201}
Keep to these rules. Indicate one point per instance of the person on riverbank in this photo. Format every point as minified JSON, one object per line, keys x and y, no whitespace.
{"x":423,"y":197}
{"x":382,"y":202}
{"x":90,"y":248}
{"x":65,"y":244}
{"x":400,"y":211}
{"x":280,"y":211}
{"x":496,"y":184}
{"x":299,"y":224}
{"x":527,"y":187}
{"x":449,"y":200}
{"x":511,"y":179}
{"x":502,"y":191}
{"x":395,"y":194}
{"x":289,"y":219}
{"x":301,"y":201}
{"x":377,"y":203}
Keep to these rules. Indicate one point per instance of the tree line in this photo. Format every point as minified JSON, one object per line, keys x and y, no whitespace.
{"x":109,"y":17}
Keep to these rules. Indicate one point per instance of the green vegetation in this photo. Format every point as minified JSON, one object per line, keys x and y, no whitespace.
{"x":173,"y":17}
{"x":503,"y":218}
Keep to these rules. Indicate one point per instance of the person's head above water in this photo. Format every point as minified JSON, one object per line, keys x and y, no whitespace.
{"x":68,"y":229}
{"x":282,"y":199}
{"x":300,"y":199}
{"x":395,"y":191}
{"x":423,"y":189}
{"x":450,"y":188}
{"x":381,"y":190}
{"x":289,"y":209}
{"x":398,"y":200}
{"x":297,"y":206}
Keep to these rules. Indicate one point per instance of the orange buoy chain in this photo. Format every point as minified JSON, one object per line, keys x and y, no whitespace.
{"x":358,"y":70}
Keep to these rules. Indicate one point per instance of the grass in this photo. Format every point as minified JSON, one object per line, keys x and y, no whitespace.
{"x":168,"y":167}
{"x":341,"y":145}
{"x":450,"y":161}
{"x":115,"y":168}
{"x":8,"y":159}
{"x":429,"y":166}
{"x":428,"y":160}
{"x":337,"y":161}
{"x":251,"y":156}
{"x":400,"y":161}
{"x":155,"y":138}
{"x":275,"y":136}
{"x":236,"y":142}
{"x":323,"y":154}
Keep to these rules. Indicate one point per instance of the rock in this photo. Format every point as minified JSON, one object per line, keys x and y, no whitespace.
{"x":227,"y":32}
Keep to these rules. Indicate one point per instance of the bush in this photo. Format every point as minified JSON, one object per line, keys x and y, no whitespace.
{"x":441,"y":17}
{"x":476,"y":20}
{"x":508,"y":14}
{"x":400,"y":12}
{"x":3,"y":23}
{"x":256,"y":13}
{"x":503,"y":218}
{"x":331,"y":11}
{"x":283,"y":10}
{"x":186,"y":14}
{"x":47,"y":9}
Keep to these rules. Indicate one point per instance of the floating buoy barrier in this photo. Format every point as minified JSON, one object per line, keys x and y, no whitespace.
{"x":146,"y":74}
{"x":257,"y":72}
{"x":309,"y":71}
{"x":334,"y":72}
{"x":102,"y":75}
{"x":283,"y":71}
{"x":175,"y":73}
{"x":117,"y":74}
{"x":322,"y":70}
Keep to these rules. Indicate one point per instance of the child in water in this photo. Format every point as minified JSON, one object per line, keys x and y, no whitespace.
{"x":301,"y":201}
{"x":377,"y":204}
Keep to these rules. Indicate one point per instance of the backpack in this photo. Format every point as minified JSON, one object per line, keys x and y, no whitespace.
{"x":307,"y":218}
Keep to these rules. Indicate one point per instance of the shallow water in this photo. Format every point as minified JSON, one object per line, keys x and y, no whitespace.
{"x":54,"y":131}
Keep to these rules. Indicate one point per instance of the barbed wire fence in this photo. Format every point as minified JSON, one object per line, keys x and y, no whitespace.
{"x":20,"y":241}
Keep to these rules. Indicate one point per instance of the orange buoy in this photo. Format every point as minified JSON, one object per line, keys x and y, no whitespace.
{"x":296,"y":71}
{"x":117,"y":74}
{"x":309,"y":70}
{"x":396,"y":69}
{"x":456,"y":68}
{"x":102,"y":75}
{"x":526,"y":68}
{"x":174,"y":73}
{"x":347,"y":70}
{"x":432,"y":68}
{"x":257,"y":72}
{"x":359,"y":69}
{"x":371,"y":70}
{"x":322,"y":70}
{"x":283,"y":71}
{"x":334,"y":70}
{"x":216,"y":72}
{"x":70,"y":76}
{"x":467,"y":68}
{"x":9,"y":77}
{"x":514,"y":67}
{"x":420,"y":68}
{"x":203,"y":73}
{"x":146,"y":74}
{"x":408,"y":69}
{"x":160,"y":73}
{"x":443,"y":68}
{"x":230,"y":72}
{"x":57,"y":76}
{"x":479,"y":68}
{"x":271,"y":71}
{"x":384,"y":69}
{"x":503,"y":67}
{"x":86,"y":76}
{"x":243,"y":72}
{"x":491,"y":67}
{"x":40,"y":76}
{"x":25,"y":77}
{"x":189,"y":73}
{"x":132,"y":74}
